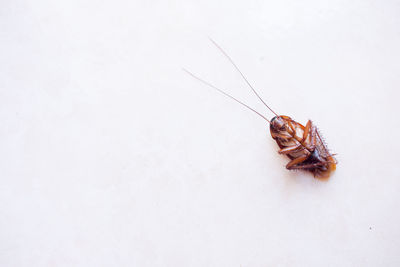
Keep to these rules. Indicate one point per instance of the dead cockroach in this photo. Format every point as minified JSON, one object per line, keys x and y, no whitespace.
{"x":302,"y":144}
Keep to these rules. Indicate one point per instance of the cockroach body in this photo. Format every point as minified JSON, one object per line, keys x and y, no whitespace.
{"x":302,"y":144}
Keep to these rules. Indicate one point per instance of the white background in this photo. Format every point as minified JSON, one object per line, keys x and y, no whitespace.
{"x":111,"y":155}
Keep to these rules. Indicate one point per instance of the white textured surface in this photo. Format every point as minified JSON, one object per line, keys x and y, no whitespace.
{"x":110,"y":155}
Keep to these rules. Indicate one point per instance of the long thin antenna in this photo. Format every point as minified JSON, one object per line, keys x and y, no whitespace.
{"x":226,"y":94}
{"x":237,"y":68}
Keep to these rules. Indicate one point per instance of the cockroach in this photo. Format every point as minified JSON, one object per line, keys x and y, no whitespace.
{"x":303,"y":145}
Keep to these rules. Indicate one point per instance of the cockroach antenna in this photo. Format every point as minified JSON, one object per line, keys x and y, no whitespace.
{"x":241,"y":73}
{"x":226,"y":94}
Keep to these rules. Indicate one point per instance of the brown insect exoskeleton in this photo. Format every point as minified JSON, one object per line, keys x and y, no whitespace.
{"x":302,"y":144}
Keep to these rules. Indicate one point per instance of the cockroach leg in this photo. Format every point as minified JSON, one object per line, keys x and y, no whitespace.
{"x":292,"y":127}
{"x":313,"y":138}
{"x":309,"y":130}
{"x":306,"y":130}
{"x":308,"y":166}
{"x":289,"y":149}
{"x":282,"y":136}
{"x":296,"y":161}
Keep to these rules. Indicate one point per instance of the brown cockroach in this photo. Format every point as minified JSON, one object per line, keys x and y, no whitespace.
{"x":302,"y":144}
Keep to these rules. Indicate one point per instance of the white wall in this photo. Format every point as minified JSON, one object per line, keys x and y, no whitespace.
{"x":110,"y":155}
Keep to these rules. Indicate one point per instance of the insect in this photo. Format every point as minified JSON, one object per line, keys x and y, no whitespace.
{"x":303,"y":145}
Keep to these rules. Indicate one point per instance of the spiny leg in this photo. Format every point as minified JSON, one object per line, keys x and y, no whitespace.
{"x":296,"y":161}
{"x":308,"y":166}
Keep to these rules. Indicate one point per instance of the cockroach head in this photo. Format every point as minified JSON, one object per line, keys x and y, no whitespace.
{"x":278,"y":123}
